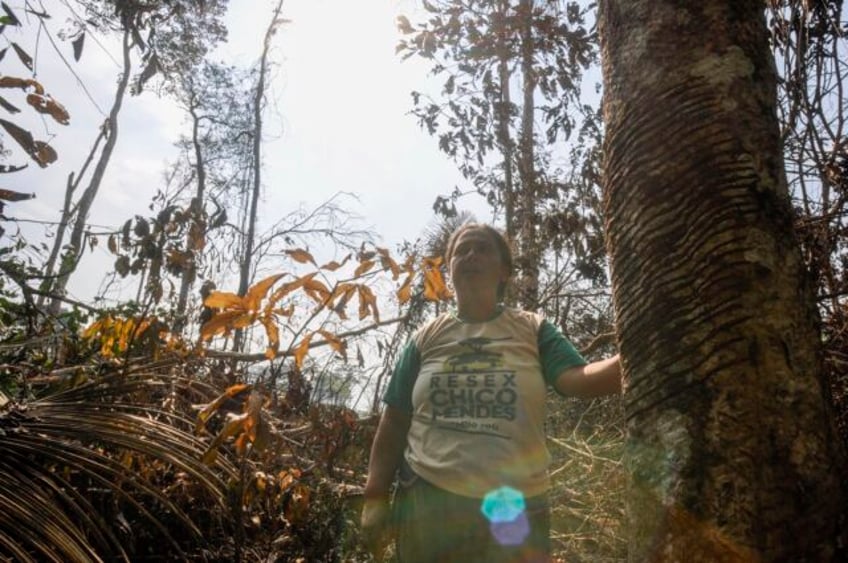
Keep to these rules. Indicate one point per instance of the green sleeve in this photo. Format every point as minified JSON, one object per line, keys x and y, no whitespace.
{"x":399,"y":392}
{"x":556,"y":353}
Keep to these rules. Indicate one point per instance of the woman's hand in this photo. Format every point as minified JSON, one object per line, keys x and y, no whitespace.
{"x":386,"y":456}
{"x":376,"y":514}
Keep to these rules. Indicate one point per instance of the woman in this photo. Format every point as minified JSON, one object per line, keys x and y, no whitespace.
{"x":463,"y":425}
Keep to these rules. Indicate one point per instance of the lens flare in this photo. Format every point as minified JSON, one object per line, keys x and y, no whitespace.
{"x":511,"y":533}
{"x":504,"y":504}
{"x":505,"y":508}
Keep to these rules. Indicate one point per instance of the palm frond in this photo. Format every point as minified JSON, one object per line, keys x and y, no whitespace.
{"x":73,"y":463}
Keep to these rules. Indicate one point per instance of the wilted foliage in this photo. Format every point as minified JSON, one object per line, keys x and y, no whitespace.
{"x":125,"y":435}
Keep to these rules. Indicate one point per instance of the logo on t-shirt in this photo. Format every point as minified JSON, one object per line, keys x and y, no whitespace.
{"x":474,"y":384}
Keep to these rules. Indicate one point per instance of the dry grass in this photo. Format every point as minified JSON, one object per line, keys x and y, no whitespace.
{"x":586,"y":440}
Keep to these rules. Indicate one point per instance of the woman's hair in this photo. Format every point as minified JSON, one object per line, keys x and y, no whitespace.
{"x":501,"y":243}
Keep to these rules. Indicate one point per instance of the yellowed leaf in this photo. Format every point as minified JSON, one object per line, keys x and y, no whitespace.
{"x":285,"y":311}
{"x":300,"y":255}
{"x":258,"y":292}
{"x":223,"y":300}
{"x":287,"y":288}
{"x":298,"y":506}
{"x":207,"y":410}
{"x":435,"y":288}
{"x":24,"y":83}
{"x":317,"y":291}
{"x":244,"y":320}
{"x":94,"y":328}
{"x":273,"y":333}
{"x":231,"y":428}
{"x":344,"y":292}
{"x":220,"y":323}
{"x":301,"y":350}
{"x":404,"y":294}
{"x":44,"y":103}
{"x":333,"y":265}
{"x":367,"y":303}
{"x":388,"y":263}
{"x":337,"y":344}
{"x":363,"y":268}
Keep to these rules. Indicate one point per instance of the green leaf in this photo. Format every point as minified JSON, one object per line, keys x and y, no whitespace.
{"x":10,"y":18}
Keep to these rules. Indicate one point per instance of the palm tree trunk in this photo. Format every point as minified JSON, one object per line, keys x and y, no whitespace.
{"x":731,"y":451}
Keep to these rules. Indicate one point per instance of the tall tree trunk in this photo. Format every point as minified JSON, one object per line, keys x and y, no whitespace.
{"x":67,"y":215}
{"x":528,"y":257}
{"x":731,"y":450}
{"x":190,"y":274}
{"x":247,"y":259}
{"x":83,"y":206}
{"x":504,"y":119}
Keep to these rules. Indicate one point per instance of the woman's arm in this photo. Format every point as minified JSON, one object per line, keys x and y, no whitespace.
{"x":386,"y":456}
{"x":592,"y":380}
{"x":386,"y":451}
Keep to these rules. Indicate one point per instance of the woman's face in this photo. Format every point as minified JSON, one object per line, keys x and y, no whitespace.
{"x":476,"y":262}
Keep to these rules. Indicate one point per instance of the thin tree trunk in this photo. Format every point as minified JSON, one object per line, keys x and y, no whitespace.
{"x":503,"y":116}
{"x":247,"y":259}
{"x":528,"y":258}
{"x":190,"y":274}
{"x":83,"y":207}
{"x":731,"y":451}
{"x":67,"y":214}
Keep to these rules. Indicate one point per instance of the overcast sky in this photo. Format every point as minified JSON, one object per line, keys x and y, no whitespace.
{"x":337,"y":115}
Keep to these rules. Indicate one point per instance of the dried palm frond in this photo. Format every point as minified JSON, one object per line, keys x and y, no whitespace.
{"x":79,"y":467}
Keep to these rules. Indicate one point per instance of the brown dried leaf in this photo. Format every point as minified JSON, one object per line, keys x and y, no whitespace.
{"x":363,"y":268}
{"x":258,"y":292}
{"x":23,"y":83}
{"x":287,"y":288}
{"x":220,"y":323}
{"x":273,"y":332}
{"x":337,"y":344}
{"x":11,"y":195}
{"x":47,"y":105}
{"x":404,"y":294}
{"x":388,"y":263}
{"x":301,"y":350}
{"x":44,"y":154}
{"x":317,"y":291}
{"x":224,"y":300}
{"x":207,"y":410}
{"x":39,"y":151}
{"x":300,"y":255}
{"x":367,"y":303}
{"x":333,"y":266}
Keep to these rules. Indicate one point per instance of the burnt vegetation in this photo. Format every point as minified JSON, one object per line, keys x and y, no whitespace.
{"x":192,"y":423}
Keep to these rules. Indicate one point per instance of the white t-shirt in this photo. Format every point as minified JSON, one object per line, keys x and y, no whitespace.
{"x":477,"y":392}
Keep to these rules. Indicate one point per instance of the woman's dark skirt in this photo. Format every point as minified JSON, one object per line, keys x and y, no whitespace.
{"x":434,"y":525}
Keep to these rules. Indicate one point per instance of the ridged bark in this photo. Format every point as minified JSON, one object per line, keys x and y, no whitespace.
{"x":731,"y":450}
